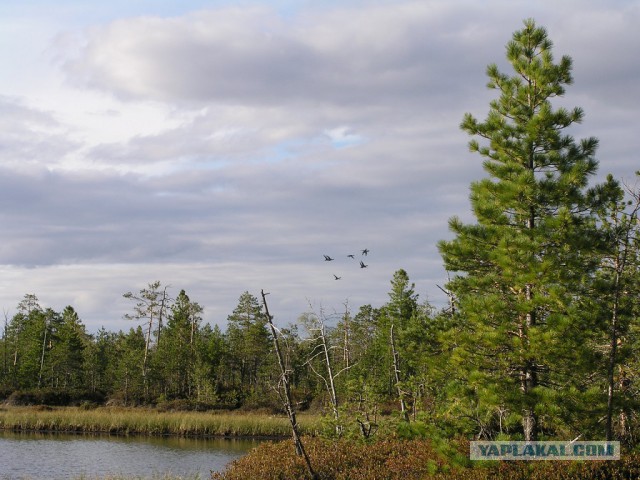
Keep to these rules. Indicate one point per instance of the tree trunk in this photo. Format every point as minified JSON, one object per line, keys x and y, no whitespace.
{"x":396,"y":373}
{"x":346,"y":354}
{"x":332,"y":385}
{"x":146,"y":350}
{"x":528,"y":377}
{"x":284,"y":376}
{"x":44,"y":344}
{"x":613,"y":349}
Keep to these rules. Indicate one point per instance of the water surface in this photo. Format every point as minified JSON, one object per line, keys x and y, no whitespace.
{"x":55,"y":456}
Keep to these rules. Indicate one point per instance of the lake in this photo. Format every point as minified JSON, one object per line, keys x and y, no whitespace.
{"x":37,"y":456}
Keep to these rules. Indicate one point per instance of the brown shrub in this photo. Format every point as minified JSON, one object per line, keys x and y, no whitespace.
{"x":394,"y":459}
{"x":339,"y":460}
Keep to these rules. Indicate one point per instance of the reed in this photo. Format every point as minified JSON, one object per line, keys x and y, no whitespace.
{"x":140,"y":421}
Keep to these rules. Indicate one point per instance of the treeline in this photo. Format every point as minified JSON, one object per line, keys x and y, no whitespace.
{"x":169,"y":354}
{"x":171,"y":357}
{"x":540,"y":339}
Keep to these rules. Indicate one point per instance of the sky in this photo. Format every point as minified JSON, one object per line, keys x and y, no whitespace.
{"x":227,"y":146}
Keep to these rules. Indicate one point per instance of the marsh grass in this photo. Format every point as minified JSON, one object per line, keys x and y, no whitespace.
{"x":140,"y":421}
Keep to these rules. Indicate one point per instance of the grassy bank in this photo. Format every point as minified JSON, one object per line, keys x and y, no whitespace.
{"x":139,"y":421}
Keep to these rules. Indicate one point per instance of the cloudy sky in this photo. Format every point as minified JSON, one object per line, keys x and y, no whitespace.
{"x":226,"y":146}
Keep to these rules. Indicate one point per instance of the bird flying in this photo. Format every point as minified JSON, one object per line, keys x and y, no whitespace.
{"x":351,"y":256}
{"x":337,"y":277}
{"x":362,"y":265}
{"x":327,"y":258}
{"x":365,"y":252}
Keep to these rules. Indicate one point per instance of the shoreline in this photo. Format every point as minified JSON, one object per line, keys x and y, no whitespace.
{"x":142,"y":434}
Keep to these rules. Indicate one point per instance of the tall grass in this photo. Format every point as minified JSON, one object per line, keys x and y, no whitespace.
{"x":151,"y":422}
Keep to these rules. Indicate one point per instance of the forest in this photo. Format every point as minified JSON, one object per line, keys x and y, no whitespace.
{"x":540,"y":339}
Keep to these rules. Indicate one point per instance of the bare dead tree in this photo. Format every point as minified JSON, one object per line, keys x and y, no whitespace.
{"x":151,"y":305}
{"x":284,"y":382}
{"x":163,"y":308}
{"x":315,"y":324}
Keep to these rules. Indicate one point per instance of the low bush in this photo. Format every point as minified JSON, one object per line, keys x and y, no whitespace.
{"x":339,"y":460}
{"x":393,"y":459}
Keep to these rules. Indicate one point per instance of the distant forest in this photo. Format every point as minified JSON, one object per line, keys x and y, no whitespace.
{"x":540,"y":338}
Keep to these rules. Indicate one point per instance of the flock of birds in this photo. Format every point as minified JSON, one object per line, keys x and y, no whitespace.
{"x":364,"y":253}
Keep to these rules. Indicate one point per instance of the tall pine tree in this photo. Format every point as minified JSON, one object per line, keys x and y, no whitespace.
{"x":521,"y":268}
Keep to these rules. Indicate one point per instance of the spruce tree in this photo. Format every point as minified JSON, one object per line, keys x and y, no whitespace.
{"x":521,"y":268}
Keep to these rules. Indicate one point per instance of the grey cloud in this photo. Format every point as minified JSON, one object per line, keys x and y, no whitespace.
{"x":29,"y":136}
{"x":347,"y":56}
{"x":602,"y":43}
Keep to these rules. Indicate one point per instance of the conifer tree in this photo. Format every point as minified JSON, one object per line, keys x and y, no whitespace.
{"x":129,"y":381}
{"x":176,"y":354}
{"x":67,"y":350}
{"x":521,"y":268}
{"x":396,"y":318}
{"x":25,"y":337}
{"x":100,"y":362}
{"x":616,"y":293}
{"x":248,"y":337}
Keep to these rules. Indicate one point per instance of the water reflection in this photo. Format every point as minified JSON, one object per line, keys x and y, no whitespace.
{"x":39,"y":456}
